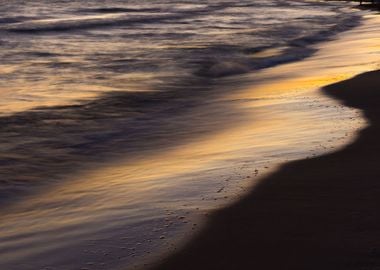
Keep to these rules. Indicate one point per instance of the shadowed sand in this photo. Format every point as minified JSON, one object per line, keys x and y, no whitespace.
{"x":319,"y":213}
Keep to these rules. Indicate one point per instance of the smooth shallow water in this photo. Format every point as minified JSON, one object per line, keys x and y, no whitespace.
{"x":123,"y":126}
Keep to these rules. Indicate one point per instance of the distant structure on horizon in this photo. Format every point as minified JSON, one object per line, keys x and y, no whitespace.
{"x":373,"y":2}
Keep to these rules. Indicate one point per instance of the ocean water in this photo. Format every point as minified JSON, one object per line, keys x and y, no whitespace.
{"x":59,"y":52}
{"x":92,"y":93}
{"x":84,"y":80}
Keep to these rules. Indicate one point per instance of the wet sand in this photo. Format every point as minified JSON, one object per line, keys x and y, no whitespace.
{"x":317,"y":213}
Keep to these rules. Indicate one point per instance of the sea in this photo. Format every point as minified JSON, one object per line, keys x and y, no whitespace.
{"x":108,"y":114}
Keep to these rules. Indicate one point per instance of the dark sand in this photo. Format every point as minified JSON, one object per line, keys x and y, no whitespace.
{"x":320,"y":213}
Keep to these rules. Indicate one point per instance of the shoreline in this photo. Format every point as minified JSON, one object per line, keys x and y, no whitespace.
{"x":287,"y":222}
{"x":317,"y":213}
{"x":201,"y":169}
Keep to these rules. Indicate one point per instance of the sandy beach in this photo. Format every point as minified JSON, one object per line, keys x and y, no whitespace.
{"x":318,"y":213}
{"x":315,"y":213}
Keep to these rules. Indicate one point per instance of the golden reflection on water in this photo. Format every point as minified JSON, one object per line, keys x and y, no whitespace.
{"x":269,"y":127}
{"x":278,"y":113}
{"x":281,"y":117}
